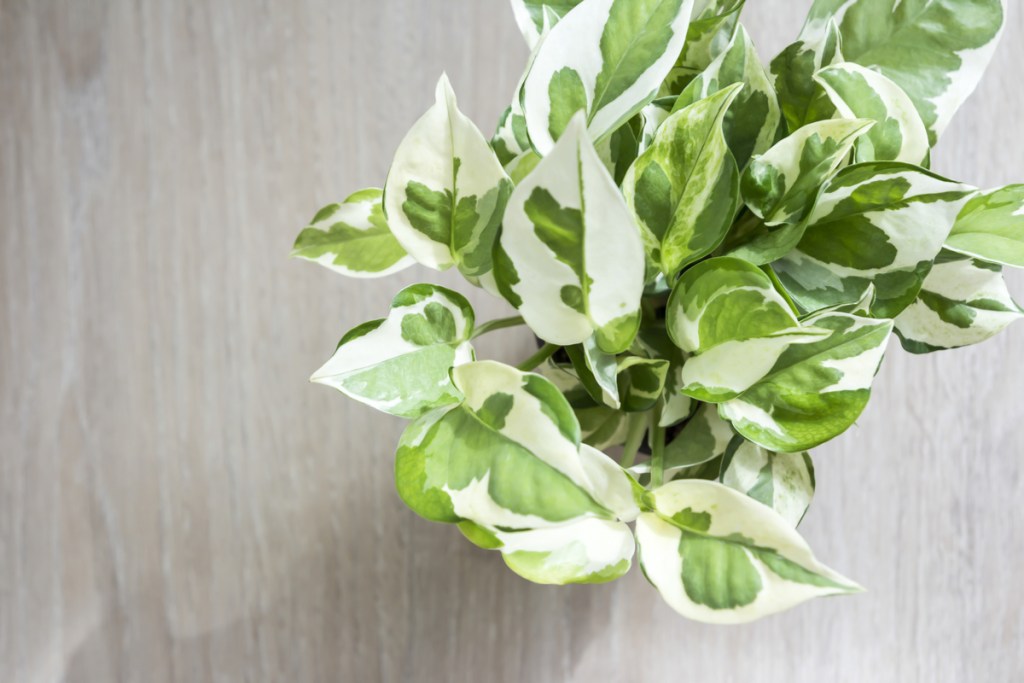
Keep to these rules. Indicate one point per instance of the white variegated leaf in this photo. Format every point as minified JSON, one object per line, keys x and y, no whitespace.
{"x":815,"y":391}
{"x":782,"y":481}
{"x":991,"y":227}
{"x":936,"y":50}
{"x":780,"y":186}
{"x":571,"y":259}
{"x":752,"y":122}
{"x":606,"y":58}
{"x":597,"y":371}
{"x":508,"y":459}
{"x":684,"y":189}
{"x":446,"y":191}
{"x":401,"y":364}
{"x":729,"y":316}
{"x":583,"y":551}
{"x":880,"y":223}
{"x":963,"y":301}
{"x":535,"y":16}
{"x":801,"y":99}
{"x":353,"y":238}
{"x":705,"y":437}
{"x":713,"y":24}
{"x":720,"y":557}
{"x":859,"y":92}
{"x":511,"y":140}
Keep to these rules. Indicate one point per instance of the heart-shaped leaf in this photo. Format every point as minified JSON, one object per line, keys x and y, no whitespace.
{"x":606,"y":58}
{"x":720,"y":557}
{"x":400,"y":364}
{"x":446,"y":191}
{"x":353,"y":238}
{"x":571,"y":257}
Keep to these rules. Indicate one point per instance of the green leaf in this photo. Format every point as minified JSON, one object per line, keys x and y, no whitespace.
{"x":684,"y":188}
{"x":991,"y":227}
{"x":780,"y":185}
{"x":800,"y":96}
{"x":400,"y":365}
{"x":963,"y":301}
{"x":703,"y":438}
{"x":641,"y":382}
{"x":596,"y":370}
{"x":572,"y":260}
{"x":815,"y":391}
{"x":936,"y":50}
{"x":511,"y":140}
{"x":880,"y":223}
{"x":718,"y":556}
{"x":352,"y":238}
{"x":533,"y":15}
{"x":713,"y":24}
{"x":728,"y":314}
{"x":607,"y":57}
{"x":509,"y":460}
{"x":858,"y":92}
{"x":752,"y":122}
{"x":446,"y":192}
{"x":782,"y":481}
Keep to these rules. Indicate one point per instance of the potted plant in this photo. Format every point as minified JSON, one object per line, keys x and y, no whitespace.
{"x":714,"y":253}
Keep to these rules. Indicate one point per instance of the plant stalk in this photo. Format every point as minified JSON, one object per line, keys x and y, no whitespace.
{"x":657,"y":441}
{"x":536,"y":359}
{"x":499,"y":324}
{"x":634,"y":437}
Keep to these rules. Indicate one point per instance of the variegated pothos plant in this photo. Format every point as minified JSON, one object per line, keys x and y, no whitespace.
{"x":714,"y":251}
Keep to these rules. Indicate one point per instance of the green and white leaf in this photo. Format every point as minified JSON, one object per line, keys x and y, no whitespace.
{"x":780,"y":185}
{"x":963,"y":301}
{"x":400,"y":365}
{"x":703,"y":438}
{"x":859,"y":92}
{"x":602,"y":427}
{"x":606,"y":58}
{"x":511,"y":140}
{"x":713,"y":24}
{"x":509,"y":460}
{"x":782,"y":481}
{"x":446,"y":191}
{"x":800,"y":97}
{"x":991,"y":227}
{"x":641,"y":382}
{"x":584,"y":551}
{"x":936,"y":50}
{"x":815,"y":391}
{"x":753,"y":120}
{"x":571,"y":259}
{"x":353,"y":238}
{"x":728,"y":314}
{"x":880,"y":223}
{"x":684,"y":189}
{"x":597,"y":371}
{"x":676,"y":406}
{"x":719,"y":557}
{"x":619,"y":150}
{"x":534,"y":17}
{"x":651,"y":118}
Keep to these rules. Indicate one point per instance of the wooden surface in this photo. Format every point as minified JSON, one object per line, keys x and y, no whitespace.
{"x":177,"y":503}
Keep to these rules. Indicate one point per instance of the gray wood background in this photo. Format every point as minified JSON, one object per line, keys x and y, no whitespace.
{"x":177,"y":503}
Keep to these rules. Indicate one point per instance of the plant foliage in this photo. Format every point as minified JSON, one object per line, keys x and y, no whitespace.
{"x":715,"y":252}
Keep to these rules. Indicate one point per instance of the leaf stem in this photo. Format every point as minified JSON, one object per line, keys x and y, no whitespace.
{"x":499,"y":324}
{"x":634,"y":437}
{"x":657,"y":440}
{"x":536,"y":359}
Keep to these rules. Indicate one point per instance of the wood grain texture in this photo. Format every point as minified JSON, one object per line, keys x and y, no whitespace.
{"x":177,"y":503}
